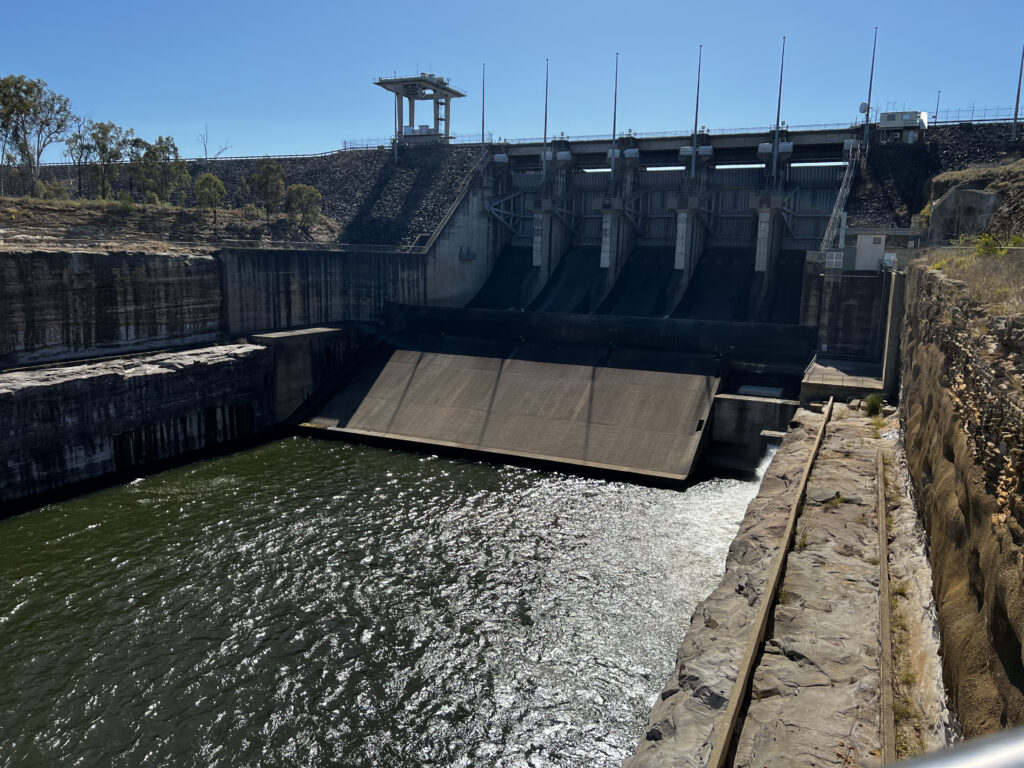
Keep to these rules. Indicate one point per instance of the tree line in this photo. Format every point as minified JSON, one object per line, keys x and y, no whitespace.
{"x":33,"y":117}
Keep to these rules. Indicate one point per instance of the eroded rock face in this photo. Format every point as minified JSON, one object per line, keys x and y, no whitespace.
{"x":964,"y":425}
{"x":64,"y":425}
{"x":57,"y":305}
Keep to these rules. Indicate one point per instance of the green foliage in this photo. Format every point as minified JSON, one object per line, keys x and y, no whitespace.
{"x":268,"y":183}
{"x":302,"y":204}
{"x":151,"y":198}
{"x":32,"y":117}
{"x":162,"y":171}
{"x":49,"y":190}
{"x":873,"y":404}
{"x":210,"y":192}
{"x":110,"y":142}
{"x":986,"y":244}
{"x":124,"y":200}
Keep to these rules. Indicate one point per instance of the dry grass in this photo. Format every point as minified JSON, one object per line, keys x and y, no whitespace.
{"x":997,"y":178}
{"x":994,"y":280}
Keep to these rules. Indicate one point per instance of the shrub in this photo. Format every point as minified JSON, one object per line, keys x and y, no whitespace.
{"x":302,"y":203}
{"x":152,"y":198}
{"x":210,"y":192}
{"x":873,"y":404}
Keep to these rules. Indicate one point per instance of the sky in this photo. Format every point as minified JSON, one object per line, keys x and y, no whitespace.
{"x":268,"y":77}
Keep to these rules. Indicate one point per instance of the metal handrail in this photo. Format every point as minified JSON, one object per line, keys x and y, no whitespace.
{"x":840,"y":205}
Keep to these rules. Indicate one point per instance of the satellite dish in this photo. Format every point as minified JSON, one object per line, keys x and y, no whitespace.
{"x":863,"y":107}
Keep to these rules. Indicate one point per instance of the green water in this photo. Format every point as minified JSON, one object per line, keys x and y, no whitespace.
{"x":312,"y":604}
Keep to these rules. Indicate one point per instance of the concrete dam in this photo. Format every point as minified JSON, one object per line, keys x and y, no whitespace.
{"x":711,"y":262}
{"x":661,"y":323}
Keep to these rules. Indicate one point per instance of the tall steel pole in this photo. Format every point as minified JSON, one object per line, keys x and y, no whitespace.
{"x":696,"y":112}
{"x":778,"y":113}
{"x":544,"y":156}
{"x":1016,"y":107}
{"x":871,"y":83}
{"x":483,"y":106}
{"x":938,"y":96}
{"x":615,"y":111}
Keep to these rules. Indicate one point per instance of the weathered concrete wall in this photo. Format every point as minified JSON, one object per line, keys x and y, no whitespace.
{"x":459,"y":263}
{"x":853,"y":314}
{"x":736,"y":425}
{"x":58,"y":305}
{"x":267,"y":290}
{"x":961,"y":211}
{"x":304,"y":360}
{"x":964,"y":425}
{"x":65,"y":425}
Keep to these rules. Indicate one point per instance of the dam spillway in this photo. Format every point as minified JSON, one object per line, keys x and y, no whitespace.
{"x":620,"y":411}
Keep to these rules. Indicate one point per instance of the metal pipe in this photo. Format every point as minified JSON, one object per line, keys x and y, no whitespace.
{"x":937,"y":97}
{"x":1003,"y":750}
{"x":696,"y":112}
{"x":871,"y":83}
{"x":615,"y":111}
{"x":1016,"y":107}
{"x":778,"y":115}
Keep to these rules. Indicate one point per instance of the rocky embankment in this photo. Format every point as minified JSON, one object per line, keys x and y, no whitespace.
{"x":818,"y":688}
{"x":963,"y":414}
{"x":370,"y":198}
{"x":894,"y":180}
{"x":690,"y":711}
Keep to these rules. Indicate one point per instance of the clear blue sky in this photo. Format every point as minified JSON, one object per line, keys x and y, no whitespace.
{"x":292,"y":77}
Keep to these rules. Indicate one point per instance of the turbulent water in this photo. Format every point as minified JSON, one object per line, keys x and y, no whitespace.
{"x":309,"y":603}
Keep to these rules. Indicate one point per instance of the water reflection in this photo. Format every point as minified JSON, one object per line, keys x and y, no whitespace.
{"x":309,"y":603}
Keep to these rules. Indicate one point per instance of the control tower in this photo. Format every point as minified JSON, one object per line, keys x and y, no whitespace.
{"x":424,"y":87}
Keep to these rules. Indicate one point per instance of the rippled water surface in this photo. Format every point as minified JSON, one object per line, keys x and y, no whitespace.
{"x":310,"y":603}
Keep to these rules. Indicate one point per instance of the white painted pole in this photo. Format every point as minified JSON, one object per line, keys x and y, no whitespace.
{"x":483,"y":104}
{"x":615,"y":111}
{"x":871,"y":83}
{"x":544,"y":155}
{"x":696,"y":112}
{"x":1016,"y":107}
{"x":778,"y":114}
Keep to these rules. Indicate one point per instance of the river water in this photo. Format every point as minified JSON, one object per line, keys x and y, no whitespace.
{"x":312,"y":603}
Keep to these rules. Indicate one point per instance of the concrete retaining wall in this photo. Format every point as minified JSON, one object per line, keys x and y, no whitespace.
{"x":747,"y":341}
{"x":59,"y":305}
{"x":66,"y":425}
{"x":270,"y":290}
